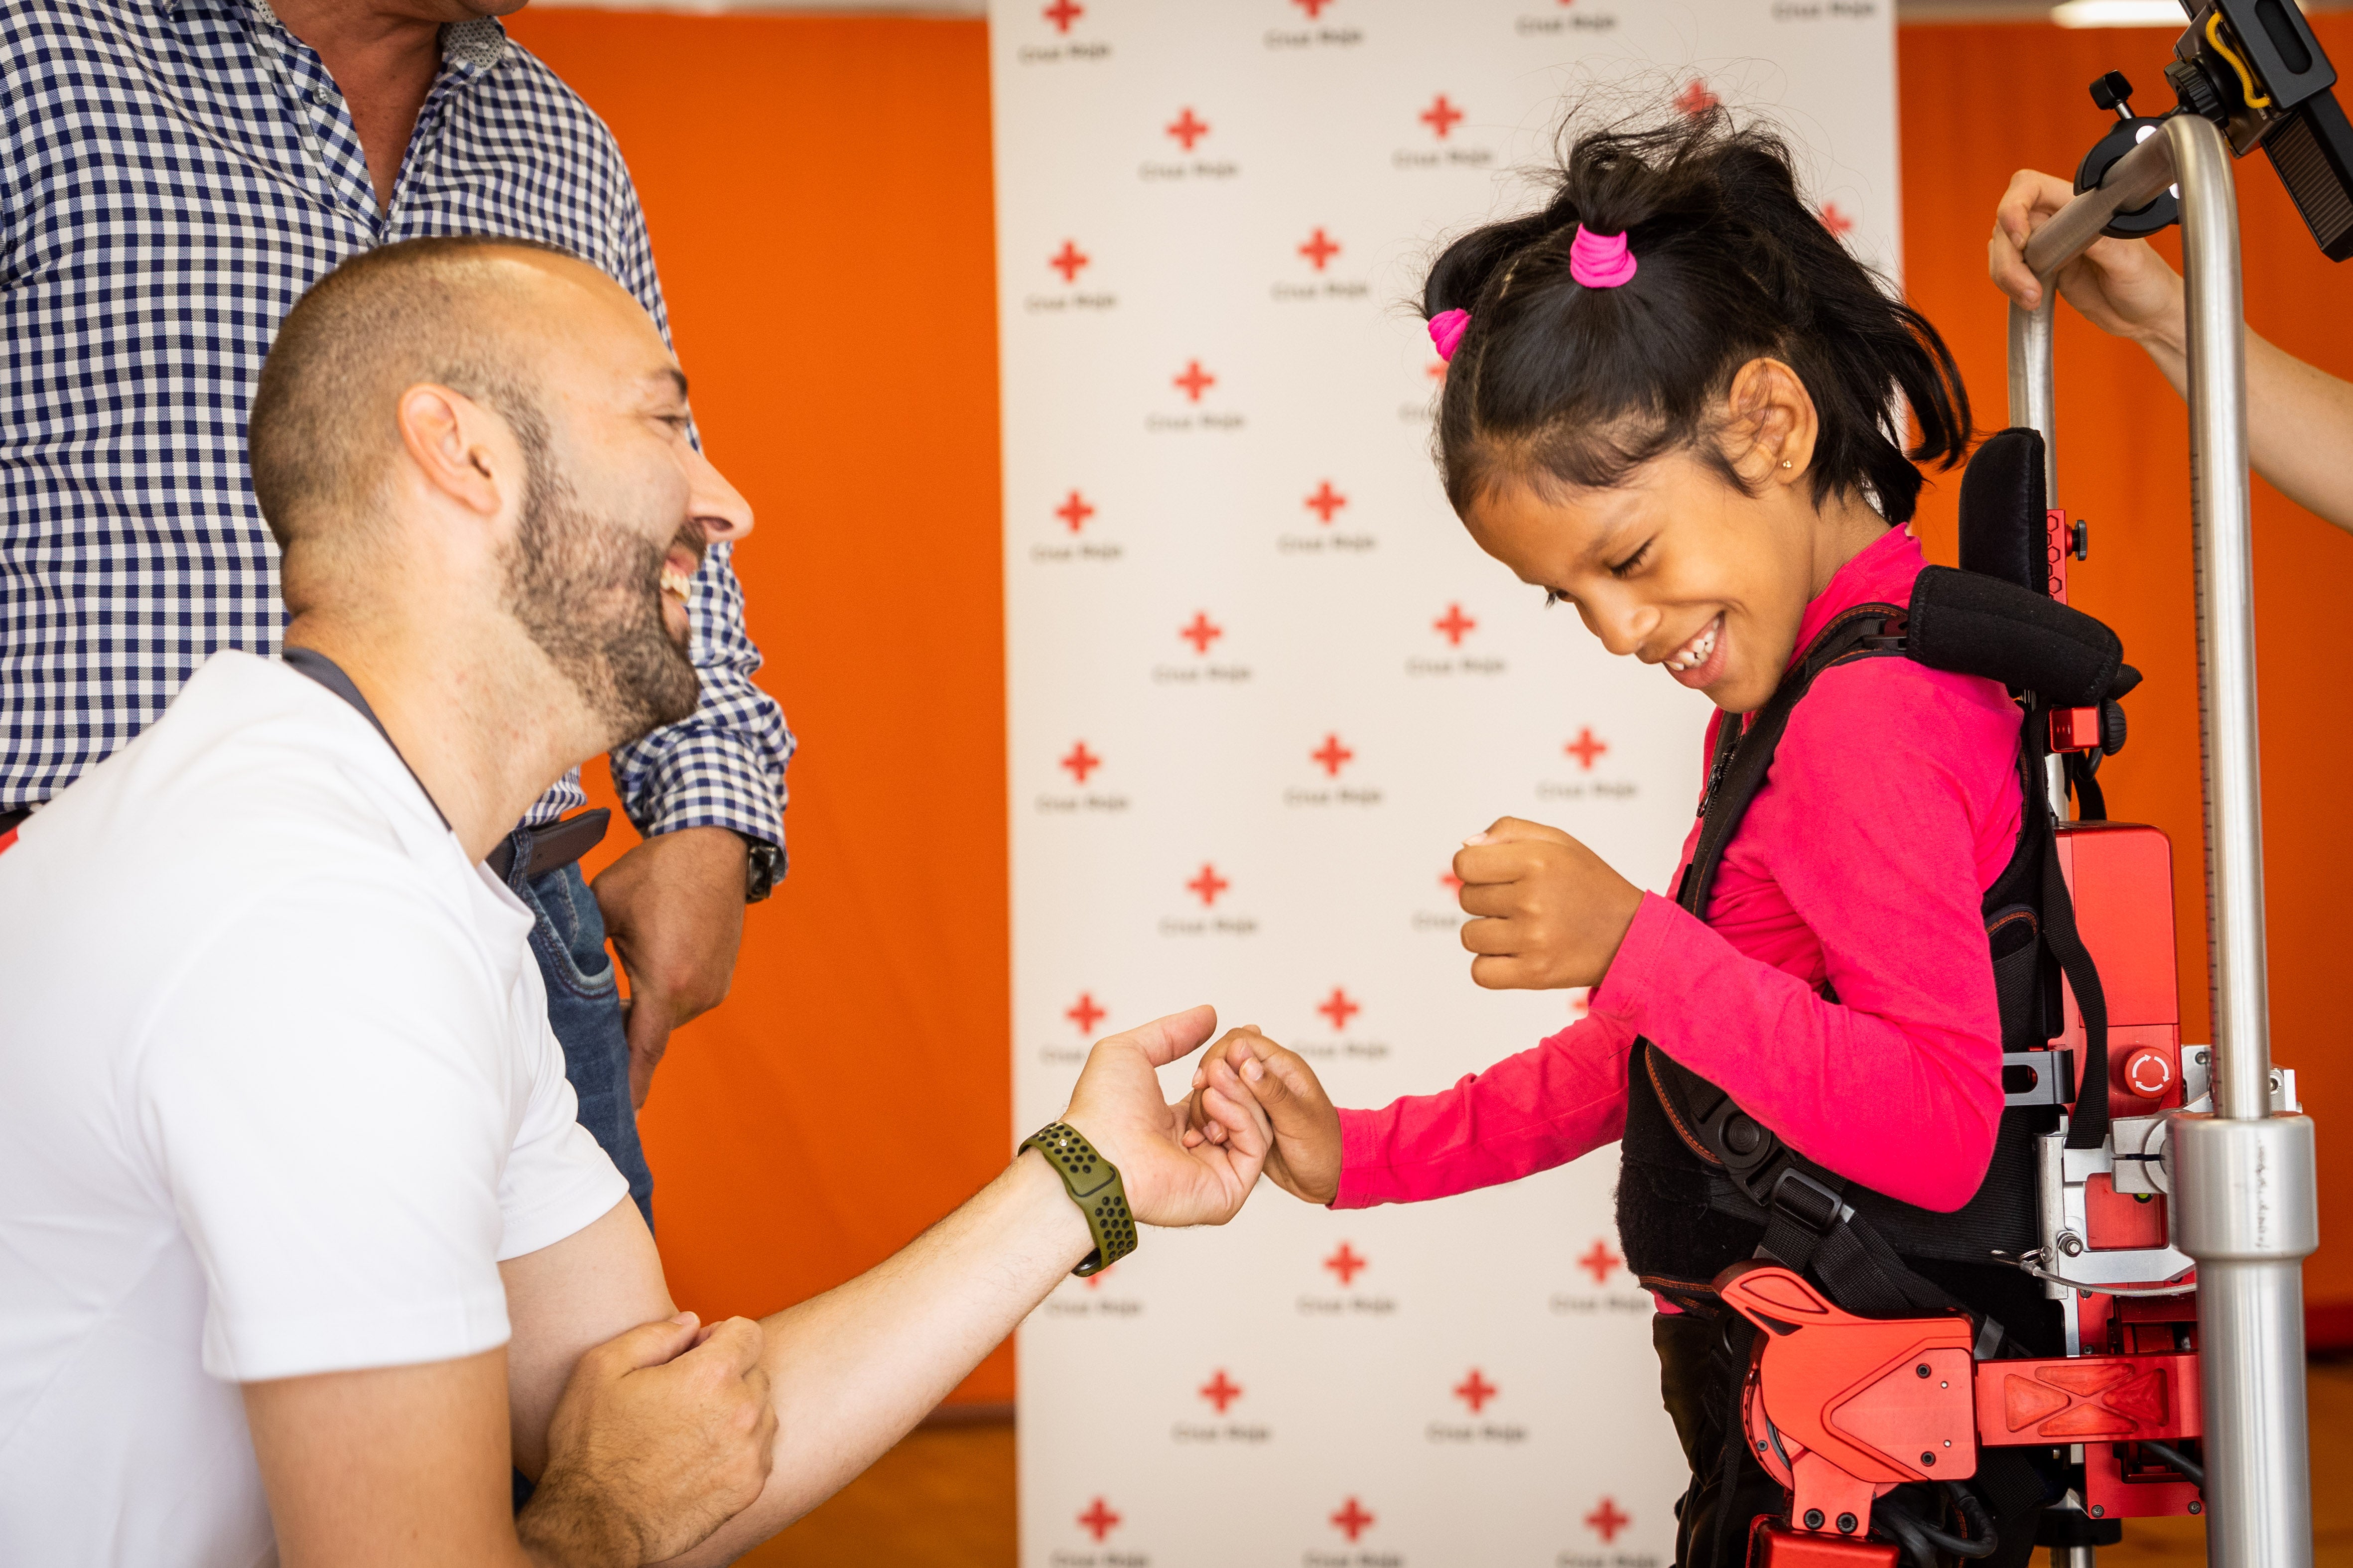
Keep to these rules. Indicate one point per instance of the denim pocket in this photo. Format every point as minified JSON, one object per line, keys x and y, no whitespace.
{"x":569,"y":932}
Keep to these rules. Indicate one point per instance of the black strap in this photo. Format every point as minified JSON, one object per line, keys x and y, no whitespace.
{"x":1740,"y":1340}
{"x":310,"y":661}
{"x":2088,"y":1128}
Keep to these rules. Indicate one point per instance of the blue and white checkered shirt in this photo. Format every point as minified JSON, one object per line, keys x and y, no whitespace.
{"x":173,"y":174}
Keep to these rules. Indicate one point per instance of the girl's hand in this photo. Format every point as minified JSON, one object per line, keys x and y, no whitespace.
{"x":1246,"y":1067}
{"x":1551,"y":912}
{"x":2122,"y":286}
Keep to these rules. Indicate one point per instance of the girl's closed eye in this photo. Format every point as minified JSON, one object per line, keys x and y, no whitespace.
{"x":1627,"y":567}
{"x":1555,"y":596}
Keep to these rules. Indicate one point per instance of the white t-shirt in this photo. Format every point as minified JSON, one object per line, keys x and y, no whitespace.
{"x":277,"y":1095}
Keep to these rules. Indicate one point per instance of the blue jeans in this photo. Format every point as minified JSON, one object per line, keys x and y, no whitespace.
{"x":583,"y":1007}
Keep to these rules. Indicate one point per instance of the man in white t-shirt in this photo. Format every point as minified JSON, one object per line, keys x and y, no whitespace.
{"x":300,"y":1241}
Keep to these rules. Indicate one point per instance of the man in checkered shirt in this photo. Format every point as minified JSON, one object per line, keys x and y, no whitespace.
{"x":176,"y":173}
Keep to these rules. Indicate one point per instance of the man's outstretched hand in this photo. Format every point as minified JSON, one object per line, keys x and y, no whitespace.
{"x":1118,"y":1107}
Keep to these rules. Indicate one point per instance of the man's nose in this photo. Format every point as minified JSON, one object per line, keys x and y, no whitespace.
{"x":717,"y":507}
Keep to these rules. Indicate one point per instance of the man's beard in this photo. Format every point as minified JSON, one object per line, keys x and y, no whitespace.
{"x":588,"y":591}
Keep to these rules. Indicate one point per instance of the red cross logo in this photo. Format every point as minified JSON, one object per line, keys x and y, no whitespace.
{"x":1346,"y":1265}
{"x":1352,"y":1519}
{"x":1441,"y":116}
{"x":1585,"y":748}
{"x":1086,"y":1012}
{"x":1339,"y":1009}
{"x":1696,"y":100}
{"x":1313,"y":8}
{"x":1202,"y":631}
{"x":1836,"y":222}
{"x":1094,"y":1281}
{"x":1188,"y":130}
{"x":1606,"y":1521}
{"x":1454,"y":624}
{"x":1437,"y":369}
{"x":1075,"y":511}
{"x":1450,"y":881}
{"x":1221,"y":1393}
{"x":1062,"y":13}
{"x":1475,"y":1391}
{"x":1069,"y":259}
{"x":1319,"y":248}
{"x":1098,"y":1519}
{"x":1333,"y":755}
{"x":1081,"y":761}
{"x":1325,"y":501}
{"x":1600,"y":1261}
{"x":1209,"y":885}
{"x":1195,"y":381}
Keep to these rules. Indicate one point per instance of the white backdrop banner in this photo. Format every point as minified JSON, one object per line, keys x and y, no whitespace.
{"x":1261,"y":684}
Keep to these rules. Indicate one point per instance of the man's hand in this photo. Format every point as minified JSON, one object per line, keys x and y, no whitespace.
{"x":1305,"y":1159}
{"x":673,"y":907}
{"x":1551,"y":911}
{"x":1118,"y":1107}
{"x":2122,"y":286}
{"x":662,"y":1436}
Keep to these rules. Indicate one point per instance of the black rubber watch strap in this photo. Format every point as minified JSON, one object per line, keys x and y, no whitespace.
{"x":1094,"y":1185}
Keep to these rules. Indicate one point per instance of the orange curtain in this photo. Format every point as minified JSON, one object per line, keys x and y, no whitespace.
{"x":818,"y":191}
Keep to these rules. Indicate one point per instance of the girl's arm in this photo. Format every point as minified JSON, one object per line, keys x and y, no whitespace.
{"x":1530,"y":1112}
{"x":1870,"y":827}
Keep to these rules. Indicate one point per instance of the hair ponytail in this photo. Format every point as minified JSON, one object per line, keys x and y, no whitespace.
{"x":1582,"y":385}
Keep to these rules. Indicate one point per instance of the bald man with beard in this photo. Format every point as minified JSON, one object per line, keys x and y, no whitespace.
{"x":305,"y":1244}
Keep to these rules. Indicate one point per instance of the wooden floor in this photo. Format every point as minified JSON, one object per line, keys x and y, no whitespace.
{"x":944,"y":1499}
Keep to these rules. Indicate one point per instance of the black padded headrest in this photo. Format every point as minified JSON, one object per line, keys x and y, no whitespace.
{"x":2005,"y":511}
{"x":1974,"y":624}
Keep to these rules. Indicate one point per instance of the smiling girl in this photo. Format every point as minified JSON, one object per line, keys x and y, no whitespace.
{"x":1677,"y":404}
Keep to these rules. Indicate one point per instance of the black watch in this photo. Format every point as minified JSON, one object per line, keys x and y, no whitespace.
{"x":762,"y":863}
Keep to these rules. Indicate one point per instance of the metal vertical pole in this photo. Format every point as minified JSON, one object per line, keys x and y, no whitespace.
{"x":2243,"y":1204}
{"x":2034,"y":405}
{"x":2243,"y":1178}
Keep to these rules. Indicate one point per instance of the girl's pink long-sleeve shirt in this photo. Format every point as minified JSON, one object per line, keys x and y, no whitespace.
{"x":1892,"y":805}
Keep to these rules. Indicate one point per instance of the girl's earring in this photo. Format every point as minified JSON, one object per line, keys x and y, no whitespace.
{"x":1784,"y":462}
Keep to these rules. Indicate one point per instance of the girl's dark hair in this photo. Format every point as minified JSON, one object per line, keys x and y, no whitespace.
{"x":1581,"y":386}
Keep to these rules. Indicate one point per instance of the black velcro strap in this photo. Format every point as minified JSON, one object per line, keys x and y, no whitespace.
{"x":2088,"y":1128}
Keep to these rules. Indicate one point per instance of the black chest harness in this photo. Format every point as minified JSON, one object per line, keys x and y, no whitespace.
{"x":1704,"y":1184}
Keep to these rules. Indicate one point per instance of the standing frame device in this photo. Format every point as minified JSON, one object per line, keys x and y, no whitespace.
{"x":2174,"y":1187}
{"x":2248,"y":73}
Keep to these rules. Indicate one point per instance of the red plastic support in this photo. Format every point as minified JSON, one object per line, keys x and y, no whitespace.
{"x":1776,"y":1546}
{"x":2074,"y":728}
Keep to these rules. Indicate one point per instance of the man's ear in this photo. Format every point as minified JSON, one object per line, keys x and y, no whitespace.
{"x":1772,"y":422}
{"x":454,"y":445}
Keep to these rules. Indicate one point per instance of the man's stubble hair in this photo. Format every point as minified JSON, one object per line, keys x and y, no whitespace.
{"x":585,"y":590}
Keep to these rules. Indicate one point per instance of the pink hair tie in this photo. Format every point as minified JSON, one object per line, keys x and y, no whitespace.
{"x":1599,"y":260}
{"x":1446,"y":330}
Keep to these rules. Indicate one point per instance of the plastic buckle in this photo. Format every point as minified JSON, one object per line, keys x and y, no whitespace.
{"x":1808,"y":1202}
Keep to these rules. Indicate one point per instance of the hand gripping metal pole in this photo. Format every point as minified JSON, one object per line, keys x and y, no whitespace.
{"x":2243,"y":1203}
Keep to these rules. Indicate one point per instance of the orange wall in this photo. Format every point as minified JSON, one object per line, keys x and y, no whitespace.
{"x":818,"y":192}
